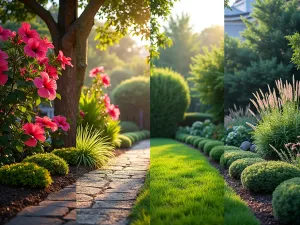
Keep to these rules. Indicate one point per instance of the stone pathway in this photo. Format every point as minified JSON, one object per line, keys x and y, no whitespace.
{"x":106,"y":196}
{"x":103,"y":196}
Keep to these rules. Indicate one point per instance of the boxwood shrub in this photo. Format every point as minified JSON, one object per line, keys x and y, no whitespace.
{"x":170,"y":98}
{"x":188,"y":139}
{"x":202,"y":143}
{"x":192,"y":117}
{"x":209,"y":145}
{"x":53,"y":163}
{"x":125,"y":141}
{"x":217,"y":151}
{"x":128,"y":126}
{"x":68,"y":154}
{"x":237,"y":167}
{"x":286,"y":202}
{"x":25,"y":175}
{"x":134,"y":137}
{"x":196,"y":141}
{"x":230,"y":156}
{"x":266,"y":176}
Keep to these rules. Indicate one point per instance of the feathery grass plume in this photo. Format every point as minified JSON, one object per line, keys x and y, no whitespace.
{"x":93,"y":149}
{"x":239,"y":116}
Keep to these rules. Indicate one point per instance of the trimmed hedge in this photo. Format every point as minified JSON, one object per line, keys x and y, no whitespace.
{"x":25,"y":175}
{"x":286,"y":202}
{"x":202,"y":143}
{"x":217,"y":151}
{"x":53,"y":163}
{"x":125,"y":141}
{"x":237,"y":167}
{"x":197,"y":140}
{"x":266,"y":176}
{"x":192,"y":117}
{"x":67,"y":154}
{"x":230,"y":156}
{"x":209,"y":145}
{"x":128,"y":126}
{"x":170,"y":98}
{"x":134,"y":137}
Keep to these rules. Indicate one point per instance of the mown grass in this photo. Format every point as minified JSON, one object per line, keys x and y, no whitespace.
{"x":184,"y":189}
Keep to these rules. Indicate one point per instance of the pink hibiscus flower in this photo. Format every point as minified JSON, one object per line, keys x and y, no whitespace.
{"x":3,"y":78}
{"x":113,"y":111}
{"x":46,"y":122}
{"x":106,"y":100}
{"x":52,"y":71}
{"x":3,"y":67}
{"x":36,"y":132}
{"x":4,"y":34}
{"x":26,"y":34}
{"x":3,"y":55}
{"x":105,"y":80}
{"x":94,"y":72}
{"x":47,"y":86}
{"x":61,"y":122}
{"x":64,"y":60}
{"x":35,"y":49}
{"x":47,"y":43}
{"x":43,"y":61}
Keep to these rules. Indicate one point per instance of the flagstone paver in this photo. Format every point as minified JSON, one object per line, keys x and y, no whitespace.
{"x":103,"y":196}
{"x":114,"y":188}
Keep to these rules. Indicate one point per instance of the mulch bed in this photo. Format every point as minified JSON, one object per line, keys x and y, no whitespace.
{"x":14,"y":199}
{"x":260,"y":204}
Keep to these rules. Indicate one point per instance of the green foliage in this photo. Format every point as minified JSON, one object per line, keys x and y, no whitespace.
{"x":53,"y":163}
{"x":169,"y":100}
{"x":136,"y":136}
{"x":133,"y":98}
{"x":125,"y":141}
{"x":231,"y":156}
{"x":239,"y":117}
{"x":117,"y":76}
{"x":294,"y":42}
{"x":192,"y":117}
{"x":67,"y":154}
{"x":236,"y":135}
{"x":128,"y":126}
{"x":266,"y":176}
{"x":209,"y":146}
{"x":277,"y":128}
{"x":202,"y":143}
{"x":25,"y":175}
{"x":238,"y":166}
{"x":196,"y":141}
{"x":286,"y":202}
{"x":93,"y":150}
{"x":217,"y":151}
{"x":208,"y":77}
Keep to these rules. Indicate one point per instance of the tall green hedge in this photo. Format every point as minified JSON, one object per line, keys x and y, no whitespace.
{"x":170,"y":98}
{"x":133,"y":98}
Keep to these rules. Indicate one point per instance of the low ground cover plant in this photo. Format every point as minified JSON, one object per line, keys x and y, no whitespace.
{"x":25,"y":175}
{"x":266,"y":176}
{"x":286,"y":201}
{"x":67,"y":154}
{"x":54,"y":164}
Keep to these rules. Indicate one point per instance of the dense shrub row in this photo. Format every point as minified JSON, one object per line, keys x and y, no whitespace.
{"x":128,"y":139}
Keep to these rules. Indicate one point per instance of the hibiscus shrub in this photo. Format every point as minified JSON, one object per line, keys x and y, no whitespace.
{"x":170,"y":98}
{"x":28,"y":78}
{"x":96,"y":109}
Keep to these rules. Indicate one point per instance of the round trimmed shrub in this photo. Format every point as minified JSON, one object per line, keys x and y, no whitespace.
{"x":196,"y":141}
{"x":53,"y":163}
{"x":128,"y":126}
{"x":117,"y":76}
{"x":25,"y":175}
{"x":266,"y":176}
{"x":202,"y":143}
{"x":209,"y":145}
{"x":170,"y":98}
{"x":133,"y":98}
{"x":237,"y":167}
{"x":188,"y":139}
{"x":217,"y":151}
{"x":286,"y":202}
{"x":67,"y":154}
{"x":125,"y":141}
{"x":231,"y":156}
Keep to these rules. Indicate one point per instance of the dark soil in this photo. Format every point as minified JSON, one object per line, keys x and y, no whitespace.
{"x":260,"y":204}
{"x":14,"y":199}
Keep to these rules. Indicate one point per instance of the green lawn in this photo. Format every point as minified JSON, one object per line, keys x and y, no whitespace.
{"x":185,"y":189}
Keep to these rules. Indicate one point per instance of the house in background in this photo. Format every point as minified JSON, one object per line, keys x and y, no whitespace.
{"x":232,"y":22}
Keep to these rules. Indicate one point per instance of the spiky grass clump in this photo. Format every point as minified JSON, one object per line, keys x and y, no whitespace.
{"x":239,"y":116}
{"x":93,"y":149}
